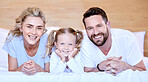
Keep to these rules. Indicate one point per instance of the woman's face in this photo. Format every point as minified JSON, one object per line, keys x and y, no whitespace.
{"x":32,"y":29}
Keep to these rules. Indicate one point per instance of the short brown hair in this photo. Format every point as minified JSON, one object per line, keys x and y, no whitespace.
{"x":95,"y":11}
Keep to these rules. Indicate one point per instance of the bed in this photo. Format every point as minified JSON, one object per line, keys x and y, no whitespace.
{"x":126,"y":76}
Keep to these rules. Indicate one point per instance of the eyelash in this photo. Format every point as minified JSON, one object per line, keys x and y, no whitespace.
{"x":70,"y":44}
{"x":39,"y":28}
{"x":29,"y":26}
{"x":89,"y":28}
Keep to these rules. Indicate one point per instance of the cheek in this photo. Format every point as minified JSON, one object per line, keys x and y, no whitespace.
{"x":25,"y":32}
{"x":40,"y":33}
{"x":59,"y":47}
{"x":89,"y":33}
{"x":72,"y":48}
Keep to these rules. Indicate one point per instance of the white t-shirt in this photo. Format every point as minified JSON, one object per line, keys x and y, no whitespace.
{"x":15,"y":48}
{"x":57,"y":66}
{"x":124,"y":44}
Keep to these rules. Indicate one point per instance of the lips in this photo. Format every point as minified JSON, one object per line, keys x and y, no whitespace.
{"x":32,"y":37}
{"x":65,"y":51}
{"x":98,"y":36}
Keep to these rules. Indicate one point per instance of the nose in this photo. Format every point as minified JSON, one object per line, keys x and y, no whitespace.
{"x":33,"y":31}
{"x":66,"y":47}
{"x":96,"y":31}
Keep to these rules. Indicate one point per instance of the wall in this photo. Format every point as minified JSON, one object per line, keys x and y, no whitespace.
{"x":125,"y":14}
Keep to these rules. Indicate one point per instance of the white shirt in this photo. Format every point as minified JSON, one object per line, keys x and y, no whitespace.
{"x":15,"y":48}
{"x":124,"y":44}
{"x":57,"y":66}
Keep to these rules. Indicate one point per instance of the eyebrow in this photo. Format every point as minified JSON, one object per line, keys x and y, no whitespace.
{"x":89,"y":26}
{"x":95,"y":25}
{"x":37,"y":26}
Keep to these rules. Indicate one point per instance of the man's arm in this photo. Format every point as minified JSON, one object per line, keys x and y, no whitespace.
{"x":90,"y":69}
{"x":117,"y":66}
{"x":140,"y":66}
{"x":101,"y":66}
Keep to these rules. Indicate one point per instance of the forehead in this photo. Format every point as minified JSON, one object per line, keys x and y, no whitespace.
{"x":33,"y":20}
{"x":66,"y":37}
{"x":95,"y":19}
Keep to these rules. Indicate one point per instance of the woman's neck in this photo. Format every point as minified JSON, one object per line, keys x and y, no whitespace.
{"x":31,"y":49}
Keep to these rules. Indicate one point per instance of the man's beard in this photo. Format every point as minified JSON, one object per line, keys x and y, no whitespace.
{"x":99,"y":43}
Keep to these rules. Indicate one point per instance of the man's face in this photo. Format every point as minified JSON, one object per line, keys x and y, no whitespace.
{"x":96,"y":29}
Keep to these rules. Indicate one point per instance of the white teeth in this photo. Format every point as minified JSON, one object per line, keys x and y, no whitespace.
{"x":65,"y":50}
{"x":98,"y":36}
{"x":33,"y":37}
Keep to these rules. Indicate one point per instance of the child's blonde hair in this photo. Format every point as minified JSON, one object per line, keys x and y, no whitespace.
{"x":53,"y":37}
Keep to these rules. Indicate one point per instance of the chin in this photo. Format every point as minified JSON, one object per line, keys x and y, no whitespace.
{"x":32,"y":43}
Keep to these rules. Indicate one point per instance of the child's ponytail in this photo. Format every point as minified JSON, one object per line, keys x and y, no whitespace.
{"x":50,"y":43}
{"x":79,"y":38}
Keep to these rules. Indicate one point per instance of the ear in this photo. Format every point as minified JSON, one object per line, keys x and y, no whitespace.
{"x":44,"y":31}
{"x":55,"y":44}
{"x":76,"y":45}
{"x":21,"y":30}
{"x":108,"y":25}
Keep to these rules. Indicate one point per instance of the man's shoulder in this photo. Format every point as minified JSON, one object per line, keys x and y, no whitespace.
{"x":117,"y":30}
{"x":121,"y":32}
{"x":86,"y":40}
{"x":87,"y":43}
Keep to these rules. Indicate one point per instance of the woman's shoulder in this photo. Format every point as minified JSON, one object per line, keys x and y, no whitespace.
{"x":44,"y":37}
{"x":14,"y":39}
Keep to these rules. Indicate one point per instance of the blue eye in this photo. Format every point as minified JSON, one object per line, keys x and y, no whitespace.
{"x":29,"y":26}
{"x":99,"y":25}
{"x":89,"y":28}
{"x":61,"y":43}
{"x":39,"y":28}
{"x":70,"y":44}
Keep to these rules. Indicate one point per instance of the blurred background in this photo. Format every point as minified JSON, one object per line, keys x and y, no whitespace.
{"x":126,"y":14}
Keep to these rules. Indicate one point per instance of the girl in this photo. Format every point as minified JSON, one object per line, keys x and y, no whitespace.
{"x":66,"y":57}
{"x":26,"y":44}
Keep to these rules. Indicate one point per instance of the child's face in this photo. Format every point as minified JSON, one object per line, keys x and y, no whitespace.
{"x":66,"y":43}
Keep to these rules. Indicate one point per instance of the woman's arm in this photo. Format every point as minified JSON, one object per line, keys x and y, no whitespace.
{"x":31,"y":68}
{"x":47,"y":67}
{"x":12,"y":64}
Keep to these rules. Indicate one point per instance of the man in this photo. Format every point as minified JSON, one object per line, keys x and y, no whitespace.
{"x":109,"y":50}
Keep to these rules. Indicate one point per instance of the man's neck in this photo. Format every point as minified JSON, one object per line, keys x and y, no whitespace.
{"x":105,"y":48}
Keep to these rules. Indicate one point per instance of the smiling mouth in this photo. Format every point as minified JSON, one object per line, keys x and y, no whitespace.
{"x":65,"y":51}
{"x":98,"y":36}
{"x":32,"y":37}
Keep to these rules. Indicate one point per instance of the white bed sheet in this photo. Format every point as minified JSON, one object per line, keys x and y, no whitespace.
{"x":126,"y":76}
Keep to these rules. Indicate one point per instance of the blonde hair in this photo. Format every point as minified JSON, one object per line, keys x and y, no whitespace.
{"x":53,"y":37}
{"x":30,"y":11}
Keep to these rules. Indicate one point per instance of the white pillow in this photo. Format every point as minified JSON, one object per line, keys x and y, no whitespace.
{"x":49,"y":29}
{"x":3,"y":54}
{"x":140,"y":38}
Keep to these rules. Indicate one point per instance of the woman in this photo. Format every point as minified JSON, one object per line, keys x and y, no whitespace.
{"x":26,"y":44}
